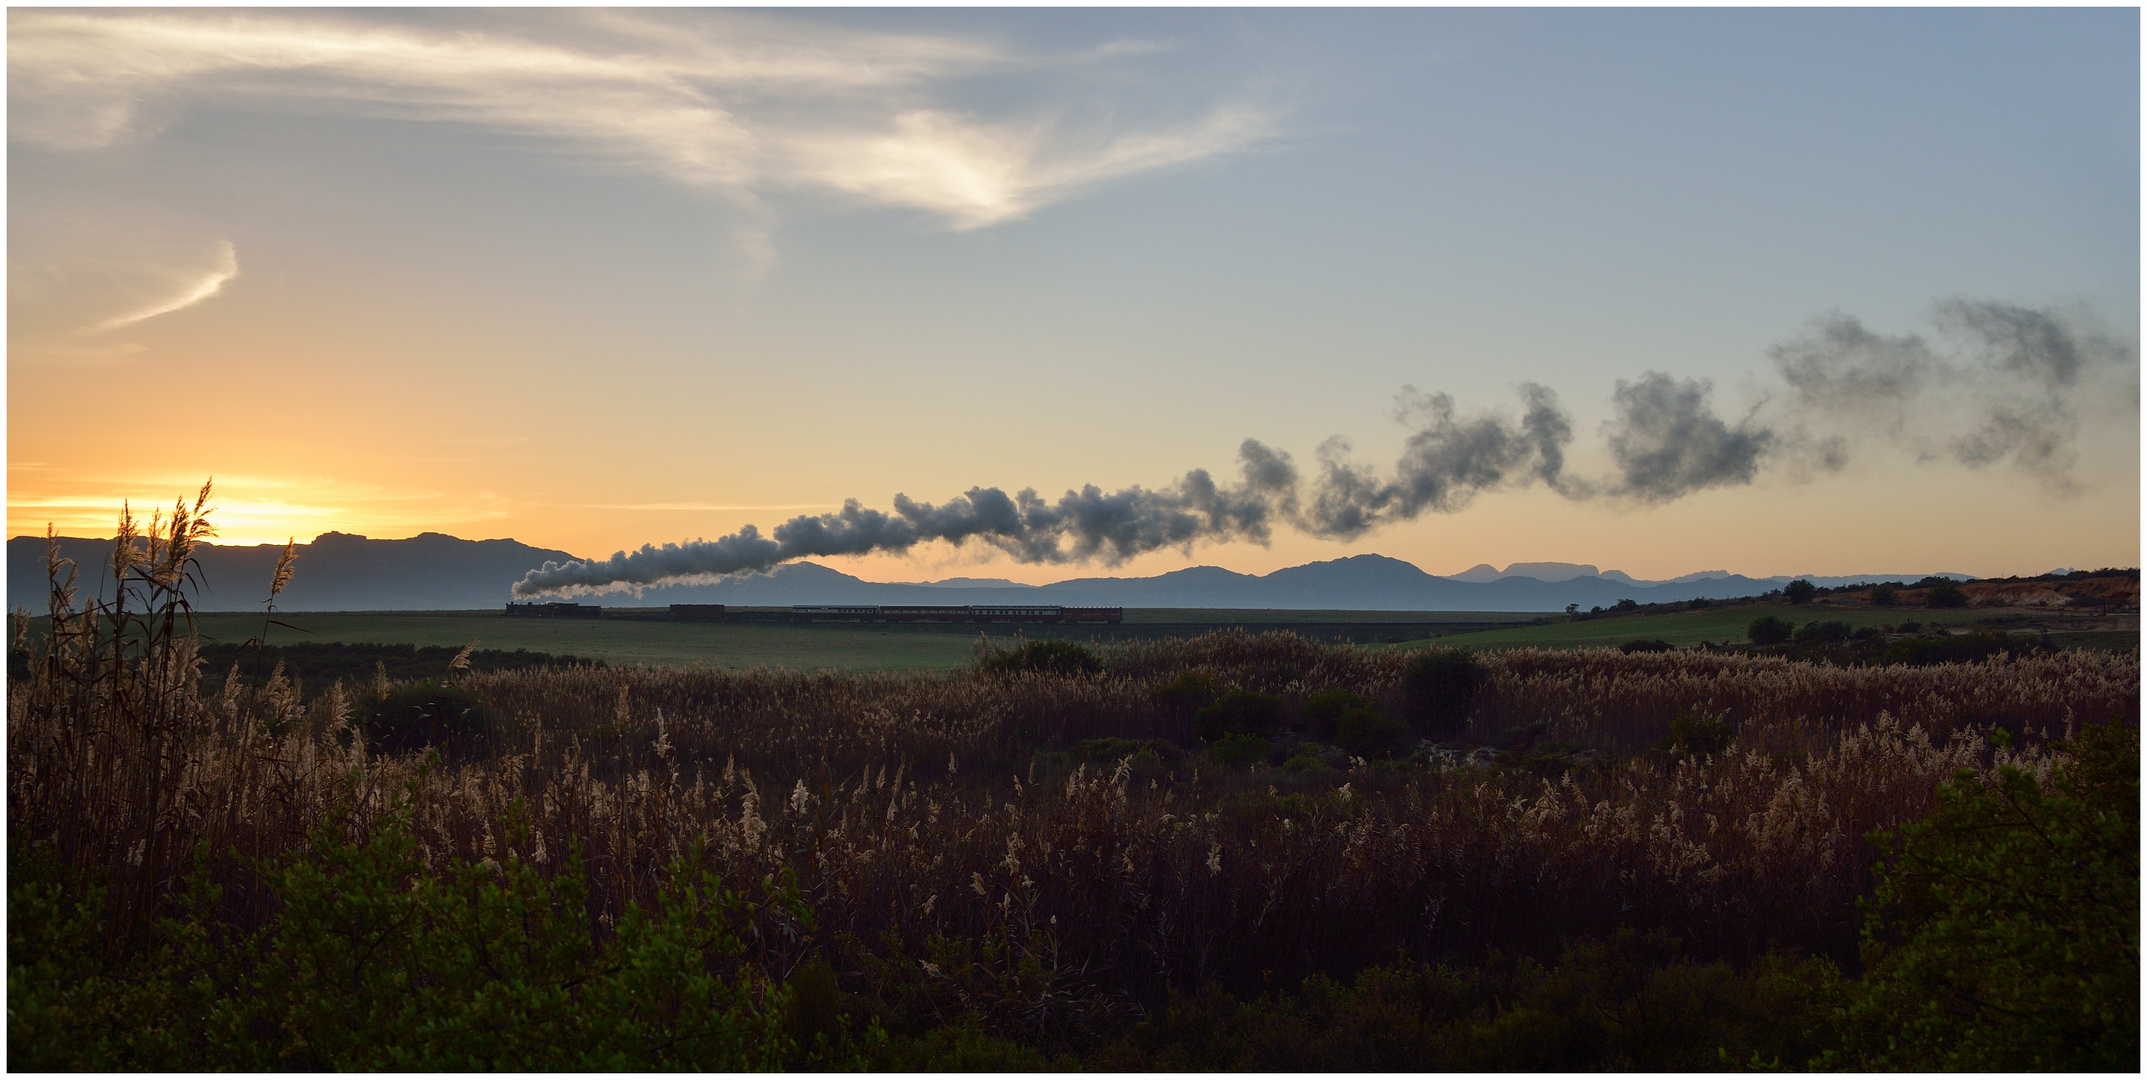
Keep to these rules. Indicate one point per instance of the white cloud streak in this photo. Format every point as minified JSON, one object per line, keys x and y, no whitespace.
{"x":193,"y":291}
{"x":738,"y":104}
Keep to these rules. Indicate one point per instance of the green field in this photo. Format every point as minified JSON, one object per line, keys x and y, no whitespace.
{"x":644,"y":636}
{"x":618,"y":641}
{"x":1728,"y":623}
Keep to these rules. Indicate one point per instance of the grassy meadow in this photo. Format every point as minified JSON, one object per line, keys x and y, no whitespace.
{"x":643,"y":637}
{"x":1726,"y":623}
{"x":1231,"y":850}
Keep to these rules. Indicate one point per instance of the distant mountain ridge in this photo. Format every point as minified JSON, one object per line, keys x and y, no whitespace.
{"x":433,"y":571}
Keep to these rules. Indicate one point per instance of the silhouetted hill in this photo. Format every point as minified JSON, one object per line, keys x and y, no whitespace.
{"x":336,"y":572}
{"x":342,"y":572}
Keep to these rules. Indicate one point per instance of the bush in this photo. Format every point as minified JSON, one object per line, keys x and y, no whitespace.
{"x":1945,"y":596}
{"x":1769,"y":630}
{"x":2003,"y":933}
{"x":1960,"y":649}
{"x":429,"y":713}
{"x":1239,"y":712}
{"x":375,"y":963}
{"x":1799,"y":591}
{"x":1694,"y":735}
{"x":1823,"y":633}
{"x":1370,"y":733}
{"x":1883,"y":595}
{"x":1324,"y":709}
{"x":1186,"y":694}
{"x":1048,"y":657}
{"x":1438,"y":688}
{"x":1645,"y":645}
{"x":1238,"y":749}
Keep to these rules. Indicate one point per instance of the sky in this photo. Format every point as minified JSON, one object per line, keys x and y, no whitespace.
{"x":1768,"y":291}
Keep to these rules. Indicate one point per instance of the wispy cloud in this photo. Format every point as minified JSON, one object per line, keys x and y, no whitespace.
{"x":740,"y":104}
{"x":192,"y":292}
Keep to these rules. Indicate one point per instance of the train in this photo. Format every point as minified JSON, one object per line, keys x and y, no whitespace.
{"x":554,"y":610}
{"x":955,"y":613}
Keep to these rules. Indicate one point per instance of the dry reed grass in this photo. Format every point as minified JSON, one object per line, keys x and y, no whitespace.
{"x":952,"y":871}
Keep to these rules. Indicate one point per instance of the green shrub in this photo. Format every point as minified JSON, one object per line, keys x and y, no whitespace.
{"x":1239,"y":712}
{"x":1187,"y":693}
{"x":1649,"y":645}
{"x":1884,"y":595}
{"x":1325,"y":708}
{"x":1437,"y":690}
{"x":1945,"y":596}
{"x":1799,"y":591}
{"x":1769,"y":630}
{"x":1629,"y":1002}
{"x":1823,"y":633}
{"x":1370,"y":733}
{"x":1238,"y":749}
{"x":1695,"y":735}
{"x":429,"y":713}
{"x":2003,"y":932}
{"x":1951,"y":649}
{"x":1050,"y":656}
{"x":374,"y":963}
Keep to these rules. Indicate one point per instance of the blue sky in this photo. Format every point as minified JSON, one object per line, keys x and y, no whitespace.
{"x":595,"y":279}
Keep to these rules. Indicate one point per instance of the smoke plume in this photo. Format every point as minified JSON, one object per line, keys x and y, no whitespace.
{"x":1081,"y":526}
{"x":2013,"y":385}
{"x":1444,"y":465}
{"x":1667,"y":441}
{"x":2010,"y":385}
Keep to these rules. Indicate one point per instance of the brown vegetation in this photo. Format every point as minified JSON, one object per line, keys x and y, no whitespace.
{"x":1050,"y":852}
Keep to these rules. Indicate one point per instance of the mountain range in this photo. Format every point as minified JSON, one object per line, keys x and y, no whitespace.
{"x":432,"y":571}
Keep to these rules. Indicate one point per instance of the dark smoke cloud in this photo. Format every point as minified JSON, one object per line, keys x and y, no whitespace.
{"x":1444,"y":465}
{"x":1667,"y":441}
{"x":1080,"y":526}
{"x":2013,"y":387}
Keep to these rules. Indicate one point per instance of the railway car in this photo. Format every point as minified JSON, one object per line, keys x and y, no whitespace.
{"x":553,"y":610}
{"x":834,"y":612}
{"x":1093,"y":614}
{"x":924,"y":613}
{"x":1014,"y":612}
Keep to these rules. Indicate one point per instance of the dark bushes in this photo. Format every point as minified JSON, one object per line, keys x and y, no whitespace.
{"x":1770,"y":630}
{"x":376,"y":963}
{"x":1369,"y":733}
{"x":1823,"y":633}
{"x":1693,"y":735}
{"x":1437,"y":690}
{"x":430,"y":713}
{"x":1645,"y":645}
{"x":2003,"y":934}
{"x":1626,"y":1002}
{"x":1324,"y":709}
{"x":1049,"y":657}
{"x":1960,"y":649}
{"x":1945,"y":596}
{"x":1239,"y":712}
{"x":1186,"y":694}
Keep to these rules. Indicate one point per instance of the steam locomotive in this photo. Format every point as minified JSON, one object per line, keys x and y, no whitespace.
{"x":955,"y":613}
